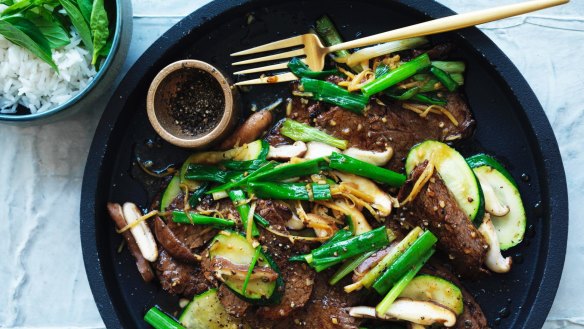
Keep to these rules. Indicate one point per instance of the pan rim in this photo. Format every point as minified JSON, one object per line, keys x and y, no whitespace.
{"x":548,"y":158}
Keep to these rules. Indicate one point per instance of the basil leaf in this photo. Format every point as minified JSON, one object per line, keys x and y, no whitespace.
{"x":106,"y":49}
{"x":6,"y":2}
{"x":63,"y":20}
{"x":50,"y":27}
{"x":18,"y":37}
{"x":17,"y":8}
{"x":85,"y":6}
{"x":44,"y":3}
{"x":31,"y":30}
{"x":79,"y":22}
{"x":99,"y":28}
{"x":104,"y":52}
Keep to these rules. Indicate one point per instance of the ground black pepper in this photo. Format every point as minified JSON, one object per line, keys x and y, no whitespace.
{"x":198,"y":104}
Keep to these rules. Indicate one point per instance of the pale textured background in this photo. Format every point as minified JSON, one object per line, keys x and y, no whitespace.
{"x":42,"y":279}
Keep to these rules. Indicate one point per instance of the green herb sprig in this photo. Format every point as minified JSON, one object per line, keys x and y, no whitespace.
{"x":40,"y":27}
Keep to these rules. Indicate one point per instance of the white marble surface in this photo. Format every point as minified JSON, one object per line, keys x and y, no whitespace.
{"x":42,"y":278}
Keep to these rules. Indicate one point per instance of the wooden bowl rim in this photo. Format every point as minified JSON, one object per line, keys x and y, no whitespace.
{"x":198,"y":141}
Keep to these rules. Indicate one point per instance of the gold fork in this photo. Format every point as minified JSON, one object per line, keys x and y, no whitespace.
{"x":313,"y":52}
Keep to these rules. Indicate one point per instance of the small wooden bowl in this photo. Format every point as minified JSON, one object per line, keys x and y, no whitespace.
{"x":164,"y":87}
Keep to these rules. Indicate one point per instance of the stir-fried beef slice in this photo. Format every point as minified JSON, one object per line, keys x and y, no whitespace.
{"x":362,"y":131}
{"x":438,"y":52}
{"x":382,"y":125}
{"x":472,"y":317}
{"x":274,"y":138}
{"x":175,"y":247}
{"x":394,"y":126}
{"x":258,"y":322}
{"x":116,"y":214}
{"x":207,"y":268}
{"x":279,"y":247}
{"x":458,"y":106}
{"x":329,"y":307}
{"x":274,"y":212}
{"x":195,"y":236}
{"x":178,"y":278}
{"x":177,"y":203}
{"x":298,"y":277}
{"x":299,"y":280}
{"x":436,"y":209}
{"x":399,"y":227}
{"x":326,"y":306}
{"x":234,"y":305}
{"x":192,"y":236}
{"x":305,"y":111}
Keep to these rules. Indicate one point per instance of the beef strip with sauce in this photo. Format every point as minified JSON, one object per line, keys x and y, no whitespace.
{"x":437,"y":52}
{"x":175,"y":268}
{"x":196,"y":236}
{"x":234,"y":305}
{"x":298,"y":278}
{"x":274,"y":138}
{"x":179,"y":278}
{"x":382,"y":126}
{"x":308,"y":300}
{"x":391,"y":125}
{"x":274,"y":212}
{"x":207,"y":268}
{"x":435,"y":208}
{"x":328,"y":308}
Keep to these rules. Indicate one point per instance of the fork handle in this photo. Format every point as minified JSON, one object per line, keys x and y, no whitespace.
{"x":449,"y":23}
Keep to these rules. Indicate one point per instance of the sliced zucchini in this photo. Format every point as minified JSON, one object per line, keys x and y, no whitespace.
{"x":481,"y":159}
{"x":205,"y":311}
{"x":255,"y":150}
{"x":432,"y":288}
{"x":491,"y":174}
{"x":262,"y":286}
{"x":456,"y":173}
{"x":170,"y":193}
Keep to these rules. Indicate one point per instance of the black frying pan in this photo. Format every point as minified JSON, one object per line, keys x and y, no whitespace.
{"x":511,"y":125}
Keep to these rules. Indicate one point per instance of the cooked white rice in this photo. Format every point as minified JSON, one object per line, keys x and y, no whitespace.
{"x":27,"y":80}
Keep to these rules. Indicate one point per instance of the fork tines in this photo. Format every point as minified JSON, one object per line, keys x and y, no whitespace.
{"x":272,"y":46}
{"x":281,"y":44}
